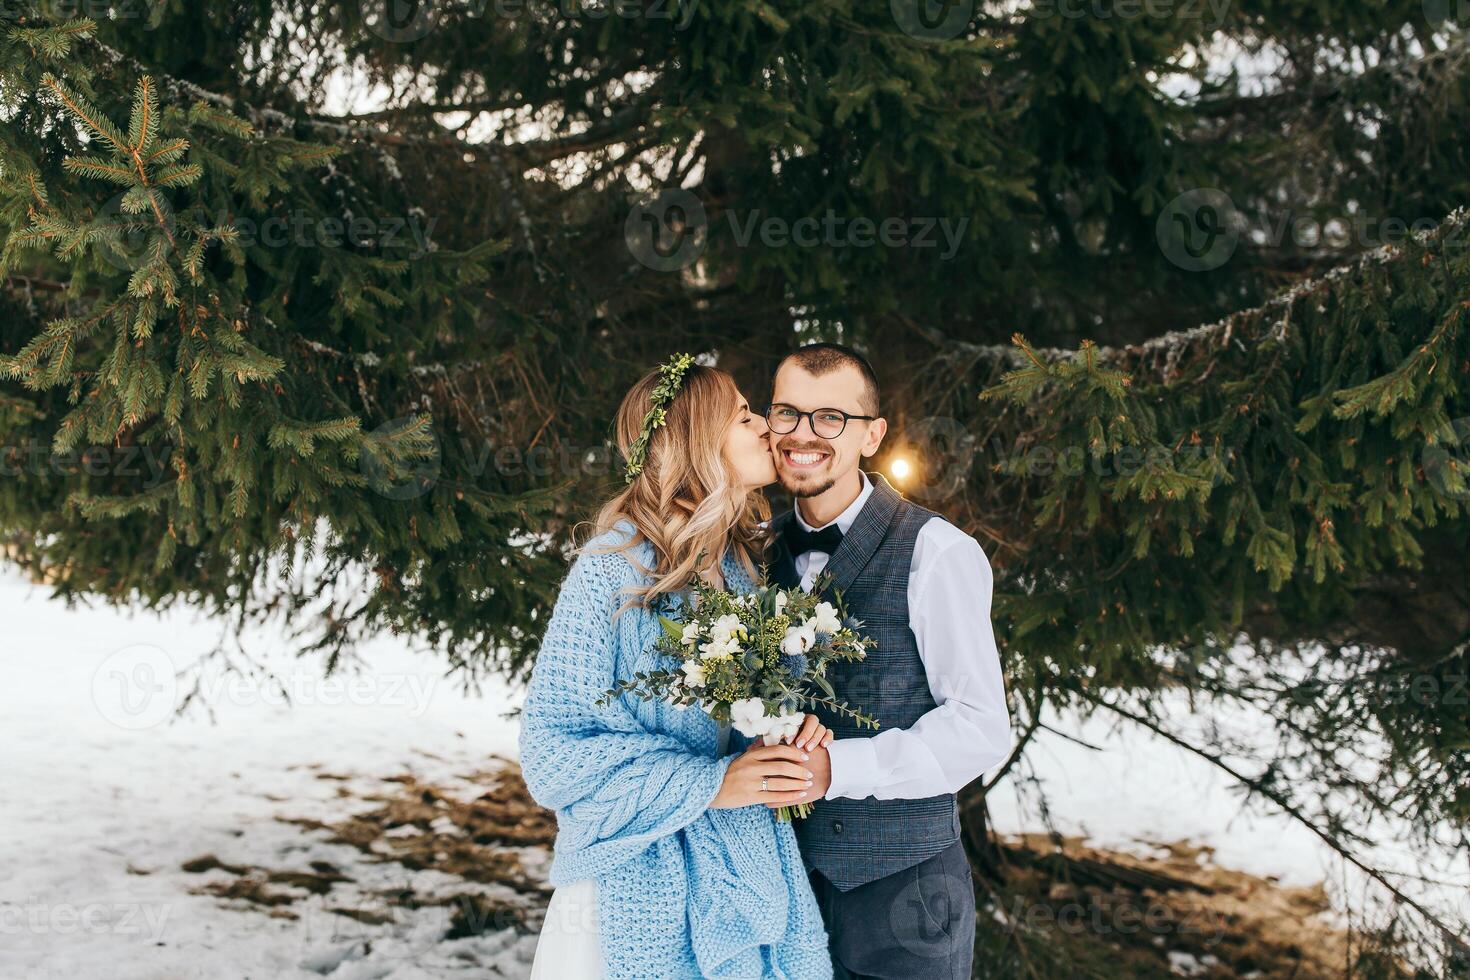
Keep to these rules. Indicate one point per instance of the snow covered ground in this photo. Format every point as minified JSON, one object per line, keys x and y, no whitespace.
{"x":104,"y":798}
{"x":98,"y":786}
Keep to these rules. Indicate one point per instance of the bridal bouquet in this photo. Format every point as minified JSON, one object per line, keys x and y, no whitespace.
{"x":754,"y":660}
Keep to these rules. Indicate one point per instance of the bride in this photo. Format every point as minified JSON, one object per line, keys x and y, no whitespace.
{"x":669,"y":862}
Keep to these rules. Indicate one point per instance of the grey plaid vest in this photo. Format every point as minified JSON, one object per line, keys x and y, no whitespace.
{"x":853,"y":842}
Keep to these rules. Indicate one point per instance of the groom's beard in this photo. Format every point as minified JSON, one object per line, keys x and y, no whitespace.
{"x":809,"y":487}
{"x":814,"y":491}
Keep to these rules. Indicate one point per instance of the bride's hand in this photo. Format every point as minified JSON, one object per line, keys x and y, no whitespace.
{"x":782,"y":767}
{"x":813,"y":734}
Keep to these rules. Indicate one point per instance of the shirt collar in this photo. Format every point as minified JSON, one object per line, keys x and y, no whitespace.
{"x":844,"y":520}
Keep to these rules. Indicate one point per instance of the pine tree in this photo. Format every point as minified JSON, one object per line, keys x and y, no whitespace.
{"x":1191,"y":363}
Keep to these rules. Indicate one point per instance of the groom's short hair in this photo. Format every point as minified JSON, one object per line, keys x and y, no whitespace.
{"x":824,"y":358}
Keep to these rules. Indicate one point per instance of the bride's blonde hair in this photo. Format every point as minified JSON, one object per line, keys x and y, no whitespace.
{"x":687,"y":501}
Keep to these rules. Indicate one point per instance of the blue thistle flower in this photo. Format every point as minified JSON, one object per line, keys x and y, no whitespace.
{"x":795,"y":662}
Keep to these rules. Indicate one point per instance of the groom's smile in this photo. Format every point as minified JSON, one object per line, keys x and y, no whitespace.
{"x":806,"y":458}
{"x":806,"y":466}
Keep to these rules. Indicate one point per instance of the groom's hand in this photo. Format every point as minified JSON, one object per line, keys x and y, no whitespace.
{"x":819,"y":764}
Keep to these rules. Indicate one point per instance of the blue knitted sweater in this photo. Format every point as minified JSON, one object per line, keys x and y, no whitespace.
{"x":683,"y":891}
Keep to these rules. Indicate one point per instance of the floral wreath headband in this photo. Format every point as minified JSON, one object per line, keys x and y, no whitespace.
{"x":670,"y":381}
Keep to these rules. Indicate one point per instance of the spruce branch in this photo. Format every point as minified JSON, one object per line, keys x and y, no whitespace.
{"x":54,"y":42}
{"x":1263,"y":787}
{"x":87,"y":114}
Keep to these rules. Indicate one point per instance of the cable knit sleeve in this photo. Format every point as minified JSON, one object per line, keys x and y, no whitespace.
{"x":616,"y":785}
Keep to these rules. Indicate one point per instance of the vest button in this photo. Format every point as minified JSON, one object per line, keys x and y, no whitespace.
{"x":837,"y":826}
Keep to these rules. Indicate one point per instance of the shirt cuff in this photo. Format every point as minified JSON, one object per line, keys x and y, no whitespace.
{"x":854,"y":766}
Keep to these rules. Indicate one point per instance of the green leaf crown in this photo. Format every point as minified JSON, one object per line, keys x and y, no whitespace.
{"x":671,"y":380}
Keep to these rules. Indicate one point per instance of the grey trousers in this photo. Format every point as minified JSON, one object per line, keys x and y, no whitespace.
{"x":916,"y":923}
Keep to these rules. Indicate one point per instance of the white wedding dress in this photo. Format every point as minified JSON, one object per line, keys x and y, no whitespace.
{"x":569,"y":947}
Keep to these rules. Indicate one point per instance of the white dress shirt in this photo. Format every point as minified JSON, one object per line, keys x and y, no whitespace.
{"x":969,"y":730}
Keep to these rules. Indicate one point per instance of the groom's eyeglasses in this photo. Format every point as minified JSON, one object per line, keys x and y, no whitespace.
{"x":827,"y":423}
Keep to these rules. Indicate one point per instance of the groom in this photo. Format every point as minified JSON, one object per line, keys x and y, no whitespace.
{"x":882,"y":843}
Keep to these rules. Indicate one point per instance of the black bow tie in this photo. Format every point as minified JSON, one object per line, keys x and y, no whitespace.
{"x":799,"y":540}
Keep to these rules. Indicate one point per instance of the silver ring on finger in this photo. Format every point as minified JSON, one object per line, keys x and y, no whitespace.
{"x":765,"y":785}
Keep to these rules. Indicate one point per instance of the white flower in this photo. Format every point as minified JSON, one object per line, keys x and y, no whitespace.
{"x":691,"y":635}
{"x":781,"y":599}
{"x":720,"y":648}
{"x":748,"y":717}
{"x":725,"y":627}
{"x":694,"y":675}
{"x":783,"y":726}
{"x":799,"y":639}
{"x":825,"y":618}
